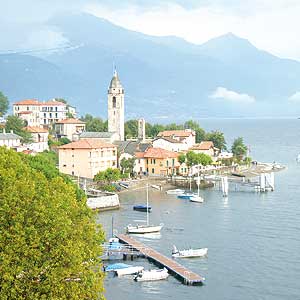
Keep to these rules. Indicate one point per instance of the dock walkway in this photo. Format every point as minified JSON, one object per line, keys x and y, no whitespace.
{"x":186,"y":276}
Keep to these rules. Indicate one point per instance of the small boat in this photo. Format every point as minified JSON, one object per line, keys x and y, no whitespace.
{"x":129,"y":270}
{"x":189,"y":252}
{"x":157,"y":187}
{"x":152,"y":275}
{"x":175,"y":192}
{"x":186,"y":196}
{"x":124,"y":185}
{"x":198,"y":199}
{"x":144,"y":228}
{"x":144,"y":208}
{"x":115,"y":267}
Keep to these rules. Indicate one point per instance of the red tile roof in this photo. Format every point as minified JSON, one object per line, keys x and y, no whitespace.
{"x":53,"y":103}
{"x":27,"y":112}
{"x":177,"y":133}
{"x":70,"y":121}
{"x":35,"y":129}
{"x":159,"y":153}
{"x":205,"y":145}
{"x":139,"y":154}
{"x":87,"y":144}
{"x":28,"y":102}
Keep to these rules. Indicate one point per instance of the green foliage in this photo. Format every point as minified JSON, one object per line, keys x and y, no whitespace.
{"x":238,"y":148}
{"x":181,"y":158}
{"x":200,"y":133}
{"x":63,"y":141}
{"x":17,"y":125}
{"x":109,"y":188}
{"x":4,"y":104}
{"x":198,"y":159}
{"x":127,"y":165}
{"x":49,"y":241}
{"x":108,"y":176}
{"x":59,"y":142}
{"x":94,"y":124}
{"x":131,"y":128}
{"x":217,"y":138}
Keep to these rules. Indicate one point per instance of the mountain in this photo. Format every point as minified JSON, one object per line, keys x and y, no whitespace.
{"x":163,"y":77}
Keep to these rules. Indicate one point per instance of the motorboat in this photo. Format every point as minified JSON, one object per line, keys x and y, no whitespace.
{"x":152,"y":275}
{"x":155,"y":186}
{"x":196,"y":198}
{"x":189,"y":252}
{"x":175,"y":192}
{"x":143,"y":208}
{"x":129,"y":270}
{"x":115,"y":267}
{"x":144,"y":228}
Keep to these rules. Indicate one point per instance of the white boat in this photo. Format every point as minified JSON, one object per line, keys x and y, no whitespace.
{"x":196,"y":198}
{"x":144,"y":228}
{"x":129,"y":271}
{"x":152,"y":275}
{"x":155,"y":186}
{"x":189,"y":252}
{"x":175,"y":192}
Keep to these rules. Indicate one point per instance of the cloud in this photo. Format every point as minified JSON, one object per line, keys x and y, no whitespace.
{"x":231,"y":96}
{"x":295,"y":97}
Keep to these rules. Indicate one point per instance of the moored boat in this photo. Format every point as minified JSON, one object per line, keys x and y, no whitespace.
{"x":144,"y":228}
{"x":198,"y":199}
{"x":129,"y":270}
{"x":152,"y":275}
{"x":175,"y":192}
{"x":186,"y":196}
{"x":189,"y":252}
{"x":143,"y":208}
{"x":115,"y":267}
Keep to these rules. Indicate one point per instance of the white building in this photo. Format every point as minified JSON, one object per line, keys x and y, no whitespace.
{"x":186,"y":136}
{"x":169,"y":144}
{"x":10,"y":140}
{"x":116,"y":107}
{"x":39,"y":139}
{"x":69,"y":127}
{"x":41,"y":114}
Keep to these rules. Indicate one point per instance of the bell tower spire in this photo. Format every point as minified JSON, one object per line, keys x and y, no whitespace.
{"x":115,"y":99}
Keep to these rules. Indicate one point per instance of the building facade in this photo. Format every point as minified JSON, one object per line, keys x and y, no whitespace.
{"x":185,"y":136}
{"x":41,"y":114}
{"x":115,"y":100}
{"x":206,"y":147}
{"x":169,"y":144}
{"x":69,"y":127}
{"x":85,"y":158}
{"x":10,"y":140}
{"x":39,"y":139}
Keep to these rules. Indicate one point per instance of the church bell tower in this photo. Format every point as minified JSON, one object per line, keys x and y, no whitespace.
{"x":116,"y":106}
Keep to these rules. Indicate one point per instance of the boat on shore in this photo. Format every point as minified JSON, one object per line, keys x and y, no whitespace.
{"x":143,"y":208}
{"x":189,"y":252}
{"x":175,"y":192}
{"x":129,"y":271}
{"x":152,"y":275}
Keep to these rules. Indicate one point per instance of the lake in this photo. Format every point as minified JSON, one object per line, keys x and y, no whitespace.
{"x":253,"y":239}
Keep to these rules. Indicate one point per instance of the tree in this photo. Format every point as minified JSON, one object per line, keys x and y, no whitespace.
{"x":181,"y":158}
{"x":131,"y":128}
{"x":200,"y":133}
{"x":127,"y":165}
{"x":50,"y":243}
{"x":17,"y":125}
{"x":217,"y":138}
{"x":94,"y":123}
{"x":4,"y":104}
{"x":238,"y":148}
{"x":198,"y":159}
{"x":108,"y":176}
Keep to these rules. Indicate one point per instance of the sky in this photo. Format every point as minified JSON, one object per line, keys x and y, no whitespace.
{"x":271,"y":25}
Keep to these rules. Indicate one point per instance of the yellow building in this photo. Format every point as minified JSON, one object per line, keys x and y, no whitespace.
{"x":85,"y":158}
{"x":159,"y":161}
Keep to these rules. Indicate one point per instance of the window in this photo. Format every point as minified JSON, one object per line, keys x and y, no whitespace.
{"x":152,"y":170}
{"x":114,"y":102}
{"x":167,"y":163}
{"x":73,"y":173}
{"x":173,"y":162}
{"x":154,"y":161}
{"x":64,"y":165}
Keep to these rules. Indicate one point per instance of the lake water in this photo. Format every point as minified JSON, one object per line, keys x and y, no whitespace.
{"x":253,"y":239}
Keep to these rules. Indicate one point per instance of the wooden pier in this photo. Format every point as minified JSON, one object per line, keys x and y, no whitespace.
{"x":186,"y":276}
